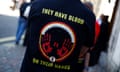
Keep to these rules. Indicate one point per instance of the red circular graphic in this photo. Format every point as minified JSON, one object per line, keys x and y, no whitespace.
{"x":57,"y":41}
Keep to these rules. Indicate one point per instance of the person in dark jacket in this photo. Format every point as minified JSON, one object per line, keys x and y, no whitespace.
{"x":25,"y":40}
{"x":60,"y":34}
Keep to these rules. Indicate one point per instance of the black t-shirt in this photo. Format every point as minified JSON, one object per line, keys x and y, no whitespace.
{"x":58,"y":29}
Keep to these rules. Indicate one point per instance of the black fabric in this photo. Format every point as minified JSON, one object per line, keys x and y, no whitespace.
{"x":23,"y":8}
{"x":57,"y":30}
{"x":32,"y":0}
{"x":101,"y":44}
{"x":104,"y":37}
{"x":25,"y":42}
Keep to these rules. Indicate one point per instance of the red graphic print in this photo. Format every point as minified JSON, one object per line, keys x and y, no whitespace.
{"x":46,"y":43}
{"x":65,"y":48}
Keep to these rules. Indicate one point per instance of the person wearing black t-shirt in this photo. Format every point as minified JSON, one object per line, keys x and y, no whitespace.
{"x":60,"y":34}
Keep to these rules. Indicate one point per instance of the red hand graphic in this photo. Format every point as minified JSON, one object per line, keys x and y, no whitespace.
{"x":46,"y":43}
{"x":65,"y":48}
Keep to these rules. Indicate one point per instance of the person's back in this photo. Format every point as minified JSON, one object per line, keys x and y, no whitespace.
{"x":58,"y":29}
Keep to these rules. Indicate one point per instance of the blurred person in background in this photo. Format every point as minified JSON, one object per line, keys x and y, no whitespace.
{"x":94,"y":56}
{"x":22,"y":21}
{"x":98,"y":56}
{"x":102,"y":43}
{"x":26,"y":40}
{"x":104,"y":36}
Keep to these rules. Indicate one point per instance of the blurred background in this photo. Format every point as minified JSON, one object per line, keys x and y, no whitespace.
{"x":12,"y":55}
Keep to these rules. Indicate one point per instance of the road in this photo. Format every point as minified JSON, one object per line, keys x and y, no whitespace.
{"x":8,"y":21}
{"x":10,"y":55}
{"x":8,"y":26}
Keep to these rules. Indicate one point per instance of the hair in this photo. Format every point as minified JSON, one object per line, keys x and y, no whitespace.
{"x":89,"y":5}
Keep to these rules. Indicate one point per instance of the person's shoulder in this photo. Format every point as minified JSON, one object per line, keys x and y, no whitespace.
{"x":37,"y":3}
{"x":87,"y":12}
{"x":90,"y":13}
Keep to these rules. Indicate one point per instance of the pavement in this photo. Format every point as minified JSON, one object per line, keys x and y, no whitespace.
{"x":11,"y":57}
